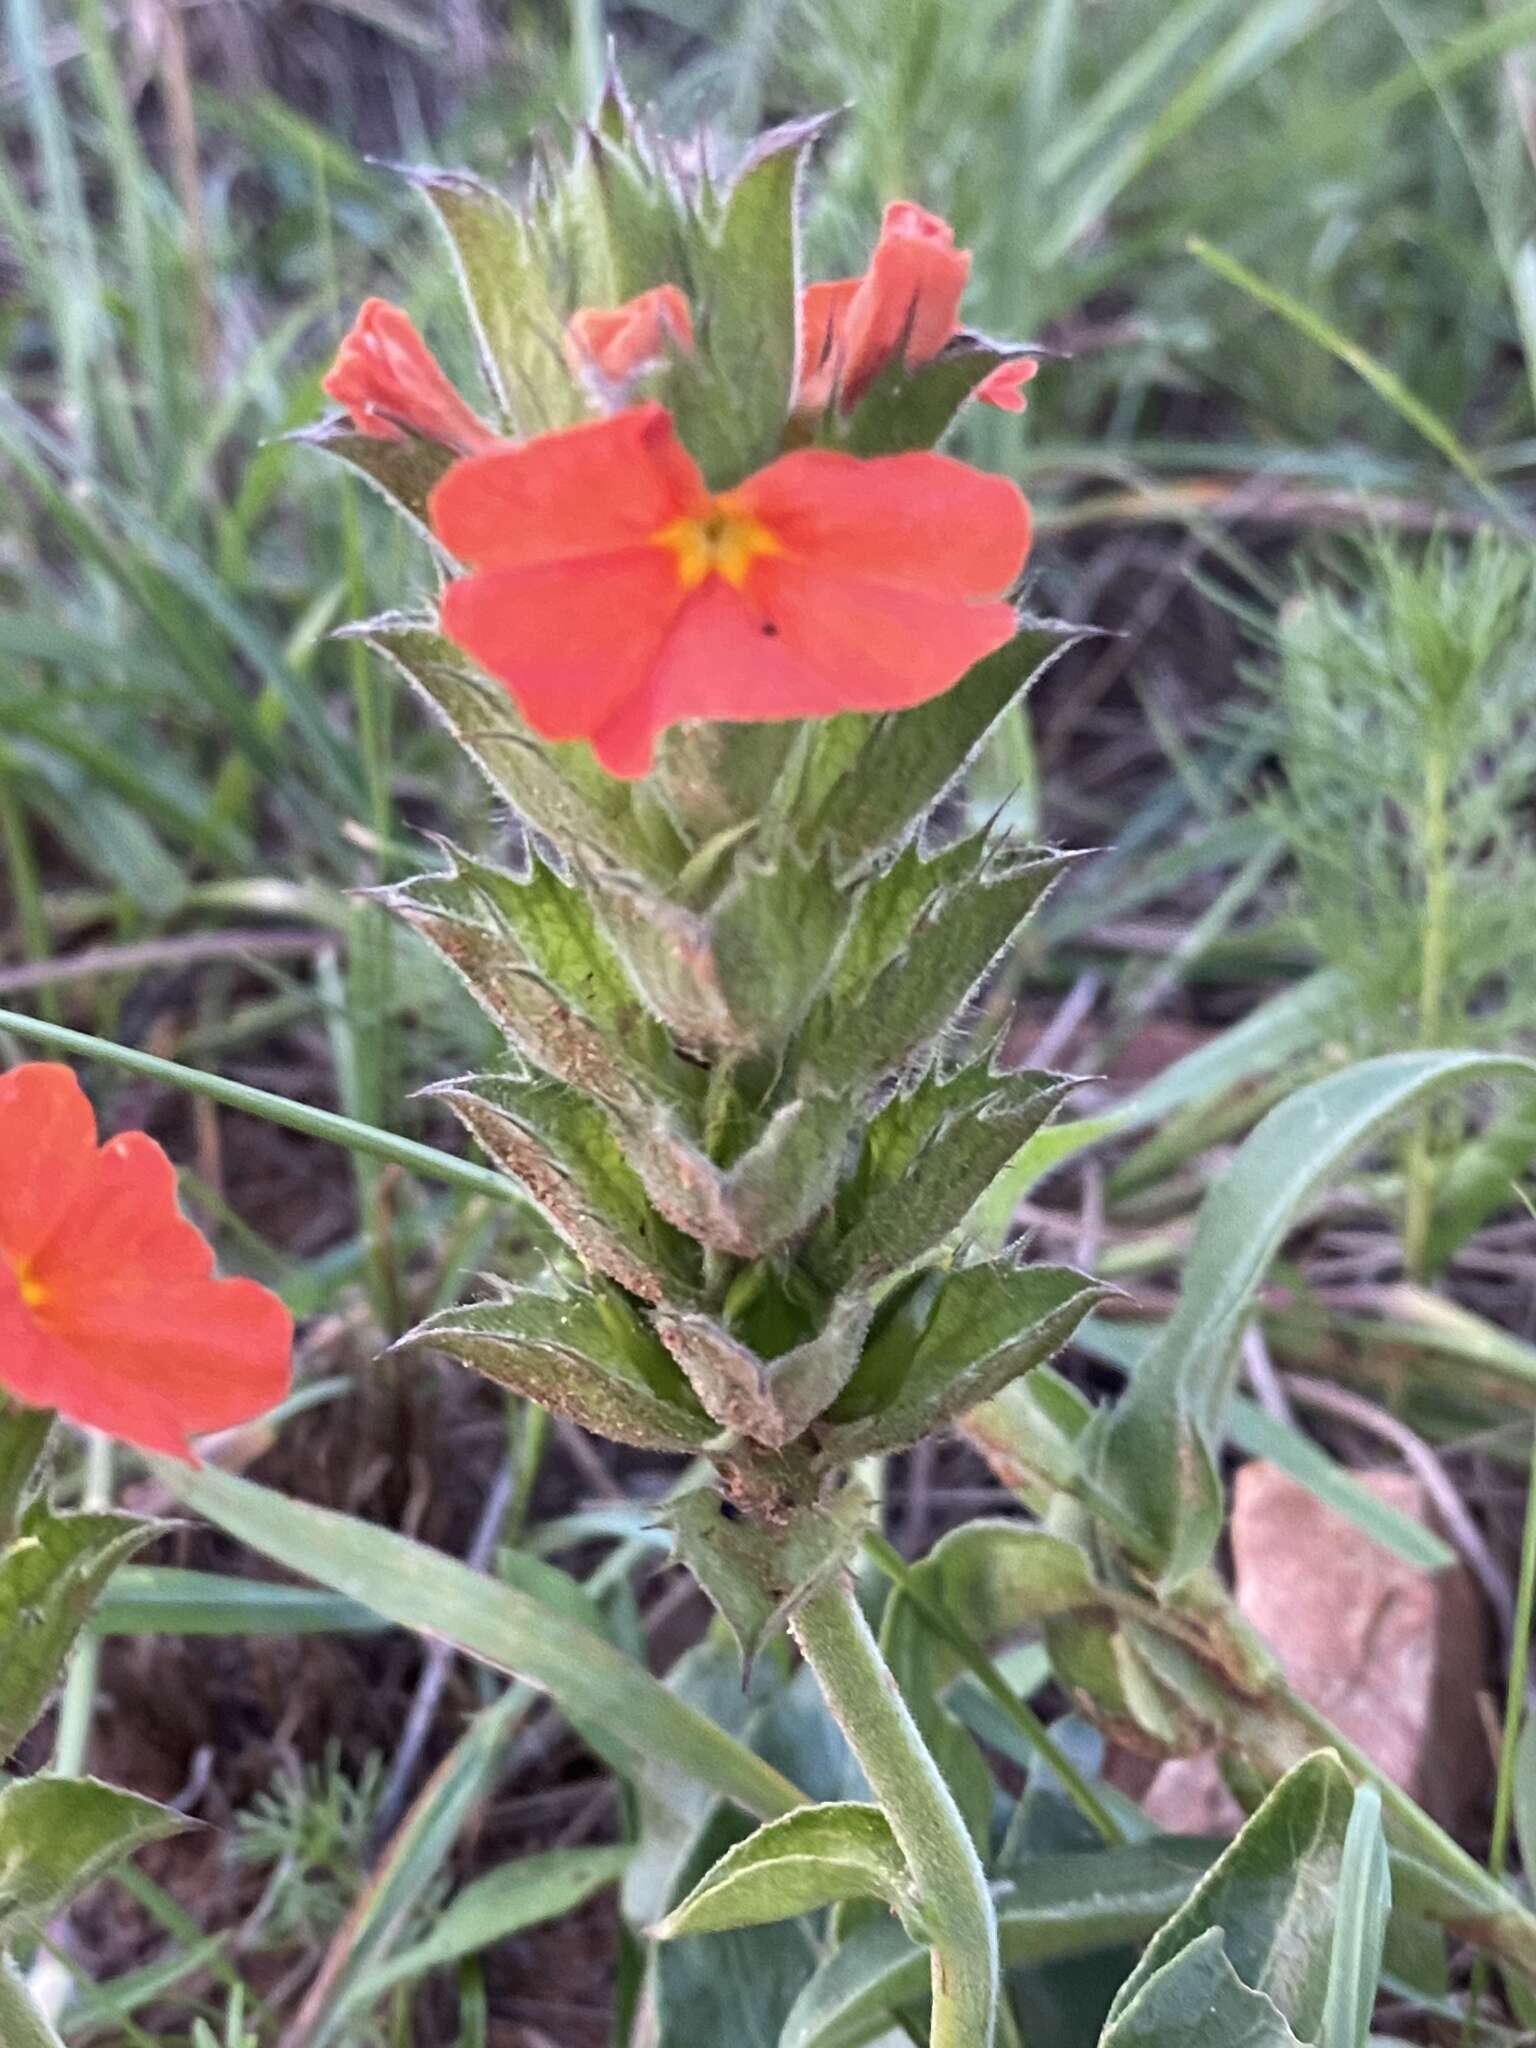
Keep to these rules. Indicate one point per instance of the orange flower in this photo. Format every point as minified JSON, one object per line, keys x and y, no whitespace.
{"x":907,"y":303}
{"x":613,"y":594}
{"x":393,"y":385}
{"x":615,"y":343}
{"x":109,"y":1310}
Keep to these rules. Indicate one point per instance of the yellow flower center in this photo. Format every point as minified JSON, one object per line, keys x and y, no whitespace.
{"x":33,"y":1292}
{"x":722,"y":540}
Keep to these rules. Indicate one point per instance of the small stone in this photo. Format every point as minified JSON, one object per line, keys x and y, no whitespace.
{"x":1393,"y":1655}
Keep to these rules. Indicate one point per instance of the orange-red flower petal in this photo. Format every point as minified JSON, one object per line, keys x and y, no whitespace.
{"x":615,"y":342}
{"x":614,"y":596}
{"x":906,"y":304}
{"x":109,"y":1308}
{"x":1004,"y":386}
{"x":393,"y":386}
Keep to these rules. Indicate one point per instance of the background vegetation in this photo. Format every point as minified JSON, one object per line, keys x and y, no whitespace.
{"x":1287,"y":248}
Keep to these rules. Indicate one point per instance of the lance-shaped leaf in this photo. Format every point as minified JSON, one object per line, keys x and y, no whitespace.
{"x":908,"y":407}
{"x":927,"y":1155}
{"x":741,"y":975}
{"x":757,"y":1575}
{"x":58,"y":1835}
{"x":1072,"y":1904}
{"x":918,"y":993}
{"x":650,"y":233}
{"x":580,"y":1351}
{"x":1031,"y":1436}
{"x":559,"y":1144}
{"x":1199,"y":1998}
{"x":993,"y":1580}
{"x":529,"y":950}
{"x":50,"y":1578}
{"x":815,"y":1857}
{"x":884,"y":773}
{"x":772,"y":1192}
{"x":559,"y":789}
{"x":1153,"y":1455}
{"x":507,"y":291}
{"x":405,"y":472}
{"x":985,"y":1325}
{"x":750,"y":323}
{"x":1271,"y":1902}
{"x":769,"y":1400}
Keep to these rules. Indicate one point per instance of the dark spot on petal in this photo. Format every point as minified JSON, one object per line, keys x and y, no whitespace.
{"x":770,"y":630}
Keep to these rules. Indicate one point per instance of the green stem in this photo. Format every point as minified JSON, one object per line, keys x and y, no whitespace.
{"x":1514,"y":1710}
{"x":77,"y":1703}
{"x":955,"y":1905}
{"x":1420,"y":1165}
{"x":985,"y":1672}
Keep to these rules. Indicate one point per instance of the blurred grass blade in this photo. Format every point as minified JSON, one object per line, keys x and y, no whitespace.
{"x":492,"y":1909}
{"x":436,"y":1596}
{"x":160,"y":1600}
{"x":324,"y":1124}
{"x":1370,"y":369}
{"x":411,"y":1864}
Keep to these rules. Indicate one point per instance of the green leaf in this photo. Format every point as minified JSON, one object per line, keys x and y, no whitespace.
{"x":24,"y":1435}
{"x":403,"y":472}
{"x":770,"y":1192}
{"x":757,"y":1574}
{"x":749,"y":323}
{"x":51,"y":1576}
{"x":559,"y":789}
{"x":1153,"y":1455}
{"x":927,"y":1155}
{"x":529,"y":950}
{"x":507,"y":292}
{"x":21,"y":2024}
{"x":57,"y":1835}
{"x":741,"y":975}
{"x":560,"y":1145}
{"x":1271,"y":1901}
{"x":914,"y":407}
{"x":580,"y":1351}
{"x":1056,"y":1906}
{"x":907,"y":759}
{"x":1198,"y":1999}
{"x":814,"y":1857}
{"x":491,"y":1909}
{"x":1271,"y":1036}
{"x":719,"y":775}
{"x":160,"y":1600}
{"x":987,"y":1325}
{"x":769,"y":1400}
{"x":957,"y":935}
{"x":436,"y":1596}
{"x":1365,"y":1903}
{"x":993,"y":1579}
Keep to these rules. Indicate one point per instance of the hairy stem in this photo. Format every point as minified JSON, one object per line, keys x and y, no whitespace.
{"x":1420,"y":1194}
{"x":956,"y":1906}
